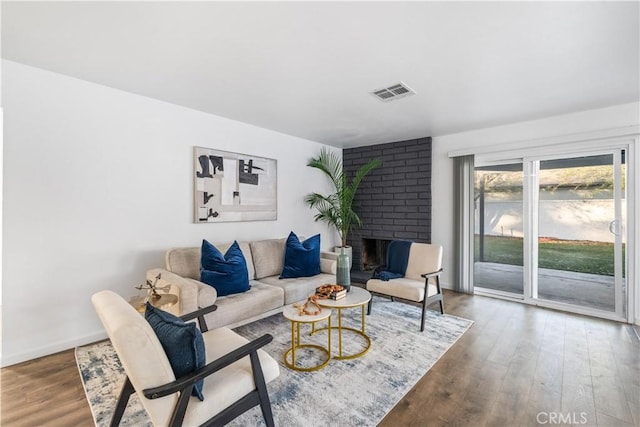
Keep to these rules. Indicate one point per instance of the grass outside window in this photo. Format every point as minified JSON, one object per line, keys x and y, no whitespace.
{"x":567,"y":255}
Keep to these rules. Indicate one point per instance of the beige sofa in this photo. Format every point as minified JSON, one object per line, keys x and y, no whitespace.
{"x":268,"y":294}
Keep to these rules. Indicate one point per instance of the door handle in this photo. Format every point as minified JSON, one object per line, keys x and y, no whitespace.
{"x":612,"y":227}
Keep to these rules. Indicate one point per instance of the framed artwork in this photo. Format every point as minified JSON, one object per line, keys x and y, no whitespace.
{"x":233,"y":186}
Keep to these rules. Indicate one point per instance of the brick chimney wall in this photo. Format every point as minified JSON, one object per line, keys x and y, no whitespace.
{"x":393,"y":201}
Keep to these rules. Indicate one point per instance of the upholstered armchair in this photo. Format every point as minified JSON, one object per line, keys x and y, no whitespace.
{"x":420,"y":282}
{"x":235,"y":372}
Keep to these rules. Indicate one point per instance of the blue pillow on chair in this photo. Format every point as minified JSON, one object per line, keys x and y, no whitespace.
{"x":182,"y":342}
{"x":301,"y":259}
{"x":227,"y":273}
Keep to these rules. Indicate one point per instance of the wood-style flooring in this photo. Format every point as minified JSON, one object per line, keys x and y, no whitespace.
{"x":518,"y":365}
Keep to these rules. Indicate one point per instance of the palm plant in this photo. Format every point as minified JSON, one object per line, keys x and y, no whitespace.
{"x":336,"y":209}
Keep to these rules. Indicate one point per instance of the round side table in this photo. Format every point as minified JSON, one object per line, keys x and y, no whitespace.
{"x":162,"y":301}
{"x":356,"y":297}
{"x":291,"y":313}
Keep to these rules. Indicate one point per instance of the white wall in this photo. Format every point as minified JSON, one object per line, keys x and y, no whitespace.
{"x":442,"y":172}
{"x":98,"y":183}
{"x":586,"y":219}
{"x":1,"y":185}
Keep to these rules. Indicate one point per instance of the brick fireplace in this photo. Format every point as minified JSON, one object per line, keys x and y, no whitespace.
{"x":393,"y":201}
{"x":373,"y":253}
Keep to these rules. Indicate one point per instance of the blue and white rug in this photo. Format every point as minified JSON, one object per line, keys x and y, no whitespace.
{"x":357,"y":392}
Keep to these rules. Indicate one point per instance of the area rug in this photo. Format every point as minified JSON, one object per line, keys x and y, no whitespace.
{"x":356,"y":392}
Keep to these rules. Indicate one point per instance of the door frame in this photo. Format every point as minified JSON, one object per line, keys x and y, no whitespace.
{"x":531,"y":219}
{"x":576,"y":148}
{"x":493,"y":292}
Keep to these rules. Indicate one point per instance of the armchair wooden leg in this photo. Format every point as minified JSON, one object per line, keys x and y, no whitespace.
{"x":441,"y":300}
{"x":425,"y":298}
{"x":177,"y":417}
{"x":127,"y":390}
{"x":265,"y":406}
{"x":424,"y":313}
{"x":261,"y":386}
{"x":369,"y":305}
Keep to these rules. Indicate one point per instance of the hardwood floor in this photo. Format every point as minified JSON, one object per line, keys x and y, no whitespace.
{"x":44,"y":392}
{"x":524,"y":366}
{"x":517,"y":366}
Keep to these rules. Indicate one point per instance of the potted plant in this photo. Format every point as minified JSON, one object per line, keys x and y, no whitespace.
{"x":337,"y":208}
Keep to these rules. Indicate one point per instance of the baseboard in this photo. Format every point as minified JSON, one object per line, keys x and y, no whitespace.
{"x":12,"y":359}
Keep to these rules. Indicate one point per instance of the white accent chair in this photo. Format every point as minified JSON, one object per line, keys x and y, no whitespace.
{"x":235,"y":373}
{"x":421,"y":282}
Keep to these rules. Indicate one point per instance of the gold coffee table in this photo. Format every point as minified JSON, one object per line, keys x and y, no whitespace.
{"x":356,"y":297}
{"x":291,"y":313}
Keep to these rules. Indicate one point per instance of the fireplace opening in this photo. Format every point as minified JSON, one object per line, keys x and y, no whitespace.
{"x":374,"y":253}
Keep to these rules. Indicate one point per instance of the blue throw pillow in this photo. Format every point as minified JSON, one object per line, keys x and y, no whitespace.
{"x":227,"y":273}
{"x":301,"y":259}
{"x":182,"y":342}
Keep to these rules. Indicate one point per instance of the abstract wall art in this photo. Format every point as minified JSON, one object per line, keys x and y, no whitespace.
{"x":234,"y":187}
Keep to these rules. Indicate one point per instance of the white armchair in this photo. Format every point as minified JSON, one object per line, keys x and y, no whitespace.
{"x":421,"y":281}
{"x":235,"y":373}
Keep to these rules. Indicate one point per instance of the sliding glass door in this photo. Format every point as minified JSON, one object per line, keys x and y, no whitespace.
{"x":498,"y":240}
{"x":552,"y":231}
{"x":580,"y":231}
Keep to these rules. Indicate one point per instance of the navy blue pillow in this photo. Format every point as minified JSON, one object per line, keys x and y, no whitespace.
{"x":301,"y":259}
{"x":228,"y":273}
{"x":182,"y":342}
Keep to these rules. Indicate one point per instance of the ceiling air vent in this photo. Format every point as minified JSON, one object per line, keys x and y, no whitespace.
{"x":399,"y":90}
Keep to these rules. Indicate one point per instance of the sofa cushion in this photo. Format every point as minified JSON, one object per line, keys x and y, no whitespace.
{"x":301,"y":259}
{"x":184,"y":262}
{"x":235,"y":308}
{"x":227,"y":273}
{"x":268,"y":257}
{"x":182,"y":342}
{"x":299,"y":288}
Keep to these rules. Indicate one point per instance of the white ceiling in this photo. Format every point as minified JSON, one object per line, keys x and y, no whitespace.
{"x":306,"y":69}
